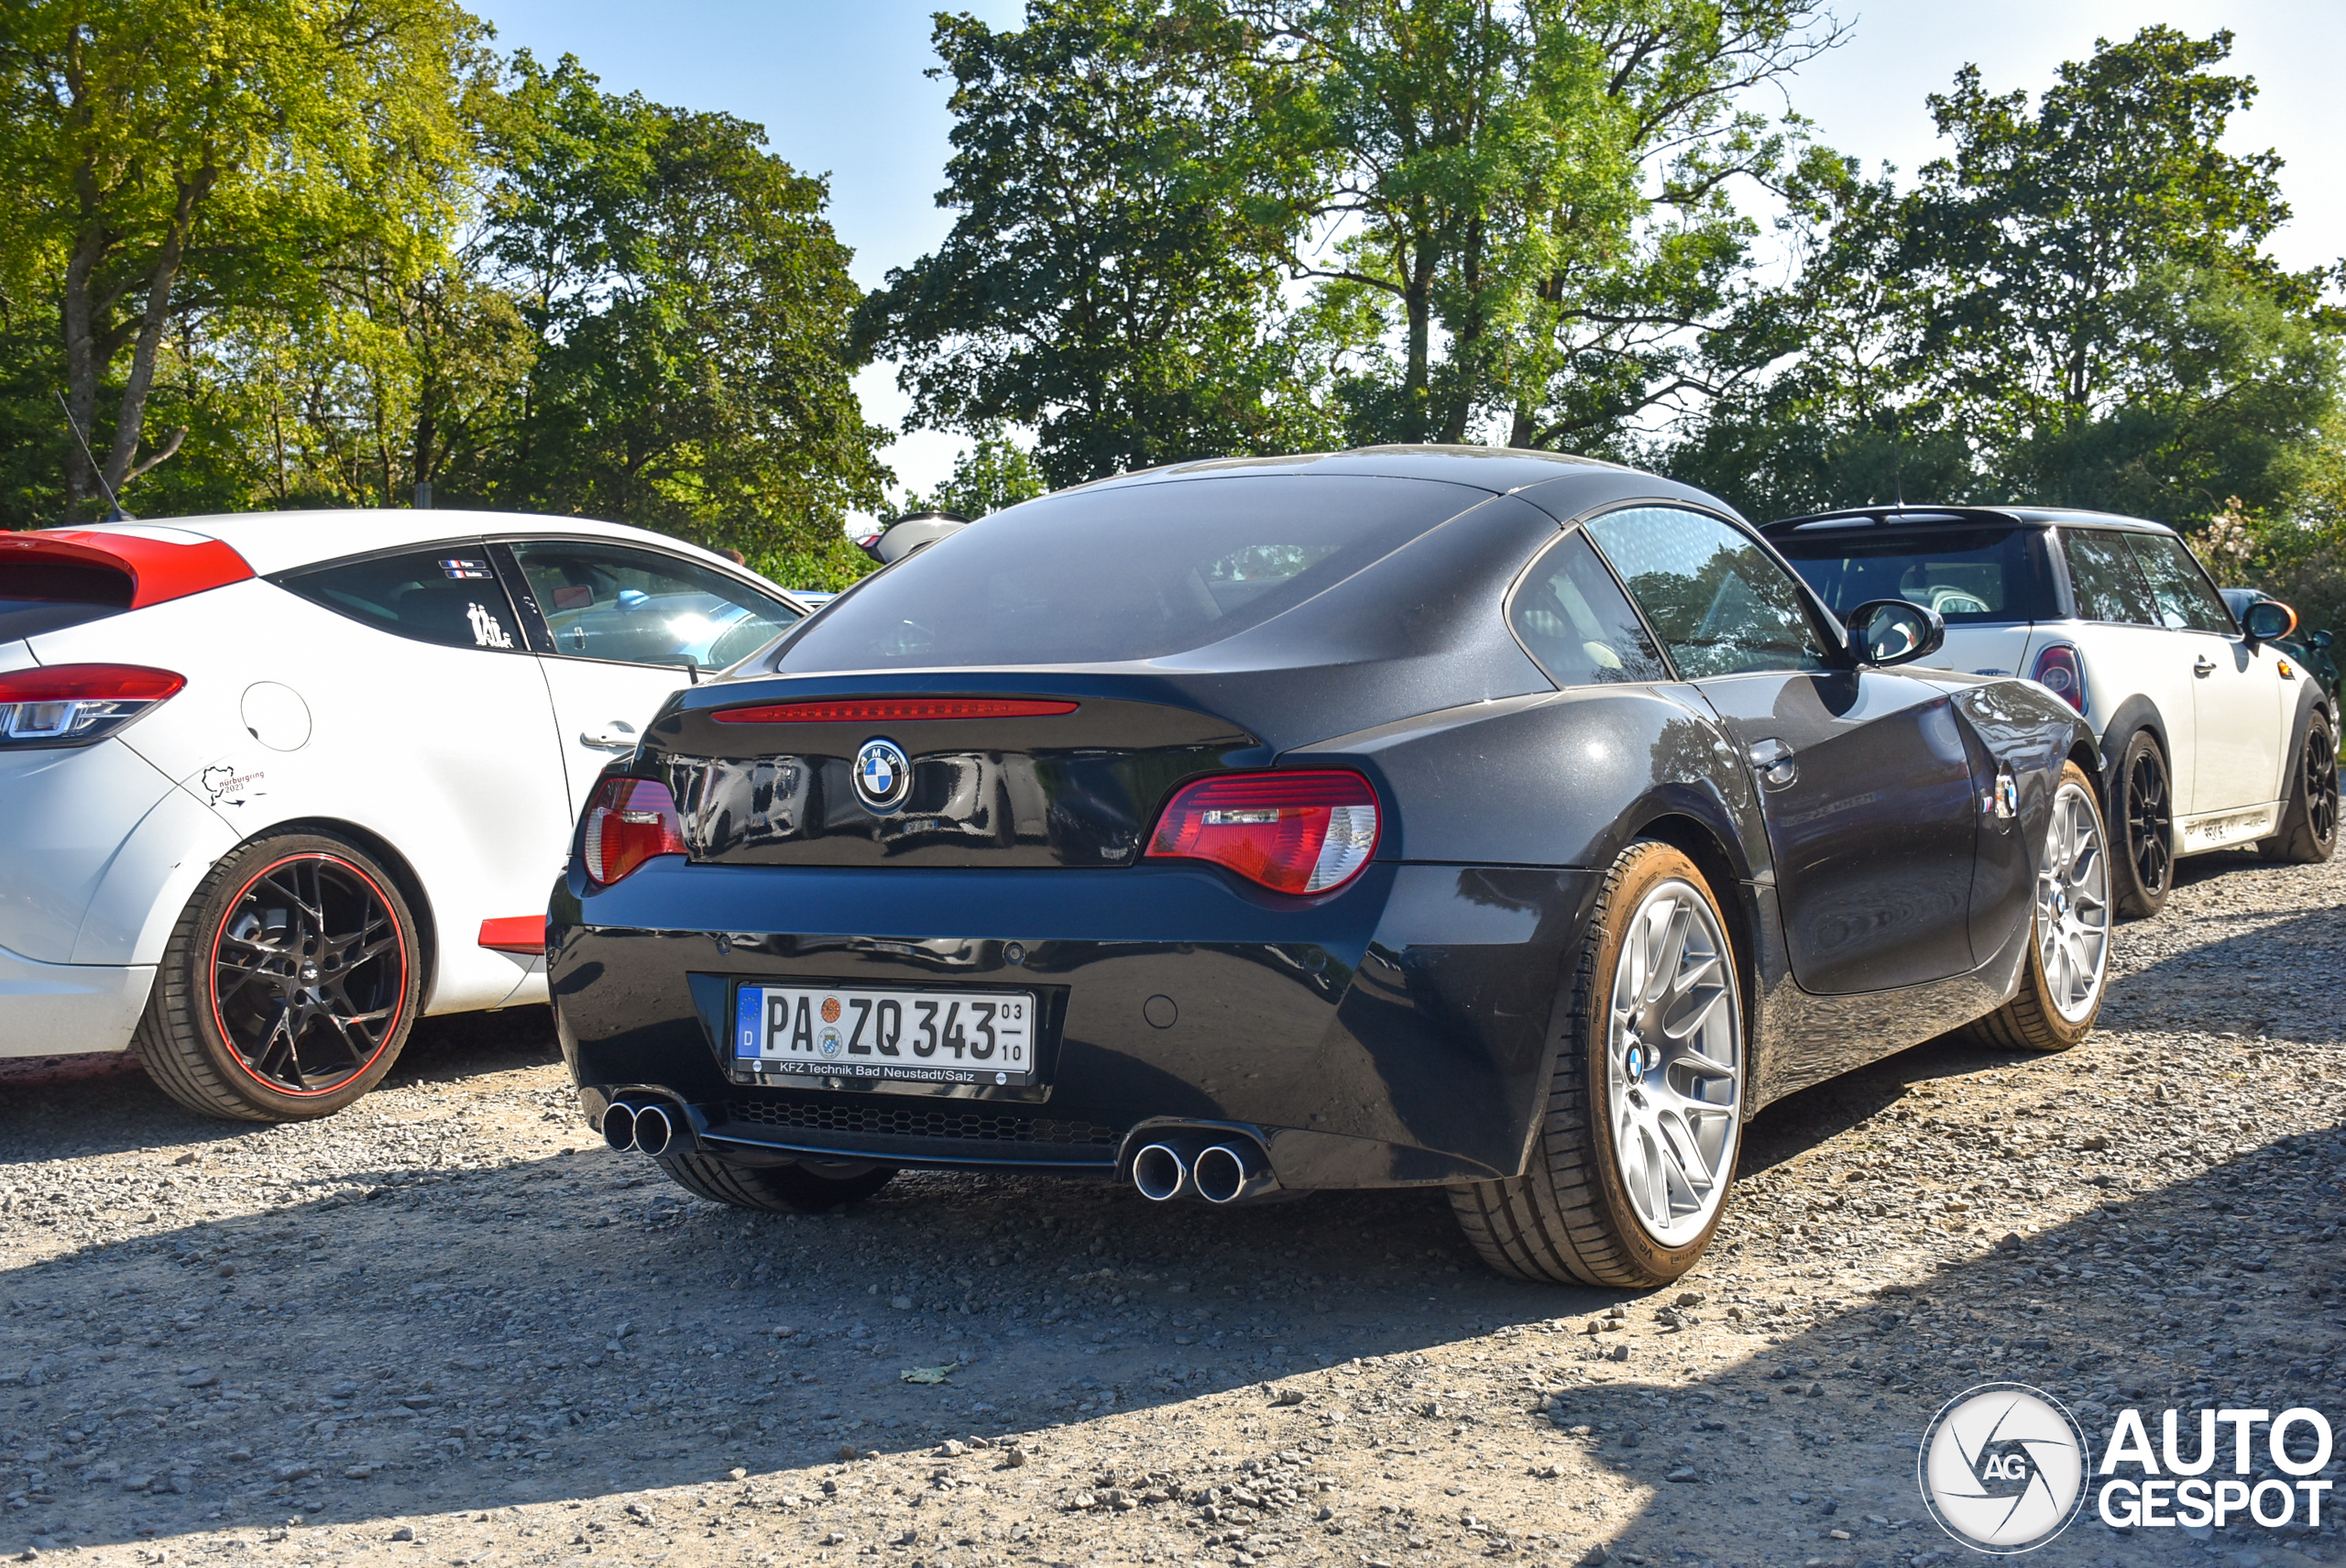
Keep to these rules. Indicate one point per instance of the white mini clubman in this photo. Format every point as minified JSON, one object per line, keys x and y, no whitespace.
{"x":2213,"y":737}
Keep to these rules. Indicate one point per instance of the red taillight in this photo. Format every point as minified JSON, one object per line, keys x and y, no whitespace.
{"x":890,"y":709}
{"x":1292,"y":833}
{"x":631,"y":821}
{"x":71,"y":704}
{"x":2060,"y":669}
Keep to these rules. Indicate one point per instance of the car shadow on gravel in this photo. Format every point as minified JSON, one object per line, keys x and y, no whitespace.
{"x":71,"y":1106}
{"x":573,"y":1327}
{"x":2208,"y":1292}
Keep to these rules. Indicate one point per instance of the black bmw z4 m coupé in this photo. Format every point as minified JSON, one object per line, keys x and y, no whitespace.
{"x":1423,"y":816}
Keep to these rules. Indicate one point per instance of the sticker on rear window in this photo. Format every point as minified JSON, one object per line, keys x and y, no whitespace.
{"x":461,"y":569}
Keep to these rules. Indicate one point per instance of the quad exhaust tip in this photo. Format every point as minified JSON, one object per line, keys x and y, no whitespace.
{"x":646,"y":1129}
{"x":1161,"y":1173}
{"x":1214,"y":1166}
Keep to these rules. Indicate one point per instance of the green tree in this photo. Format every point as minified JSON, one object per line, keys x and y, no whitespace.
{"x":169,"y":157}
{"x":1112,"y":280}
{"x":996,"y":472}
{"x":2074,"y":307}
{"x":1535,"y":198}
{"x":691,"y":305}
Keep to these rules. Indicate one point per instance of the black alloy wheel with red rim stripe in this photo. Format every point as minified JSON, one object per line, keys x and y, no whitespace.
{"x":289,"y":984}
{"x":309,"y":973}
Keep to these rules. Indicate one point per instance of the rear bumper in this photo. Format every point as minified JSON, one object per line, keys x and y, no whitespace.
{"x":1396,"y":1033}
{"x":51,"y":1010}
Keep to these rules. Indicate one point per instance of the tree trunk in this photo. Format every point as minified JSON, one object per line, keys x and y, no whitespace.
{"x":130,"y":417}
{"x":81,"y":367}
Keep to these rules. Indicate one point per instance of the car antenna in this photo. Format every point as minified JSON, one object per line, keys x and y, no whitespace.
{"x":118,"y":514}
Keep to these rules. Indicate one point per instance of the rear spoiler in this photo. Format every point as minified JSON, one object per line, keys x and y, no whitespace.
{"x":157,"y":569}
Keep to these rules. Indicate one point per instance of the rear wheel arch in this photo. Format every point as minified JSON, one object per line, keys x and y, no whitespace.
{"x":2135,"y":712}
{"x":1700,"y":843}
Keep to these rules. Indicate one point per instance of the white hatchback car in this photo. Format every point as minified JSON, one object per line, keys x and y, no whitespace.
{"x":2211,"y":735}
{"x":279,"y":782}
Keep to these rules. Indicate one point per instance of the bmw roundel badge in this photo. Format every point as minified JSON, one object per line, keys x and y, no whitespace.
{"x":884,"y":774}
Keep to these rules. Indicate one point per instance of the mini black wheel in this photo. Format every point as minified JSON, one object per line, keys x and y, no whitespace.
{"x":775,"y":1188}
{"x":2142,"y":800}
{"x":288,"y":986}
{"x":2309,"y":834}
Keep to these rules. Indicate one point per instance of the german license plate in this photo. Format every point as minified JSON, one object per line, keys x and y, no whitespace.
{"x":918,"y":1036}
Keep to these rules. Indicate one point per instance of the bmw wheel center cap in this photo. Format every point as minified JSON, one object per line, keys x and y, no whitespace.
{"x":884,"y":774}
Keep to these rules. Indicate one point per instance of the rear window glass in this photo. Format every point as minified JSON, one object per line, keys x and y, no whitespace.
{"x":447,"y":594}
{"x":45,"y":595}
{"x":2103,"y":575}
{"x":1102,"y":576}
{"x":1969,"y":574}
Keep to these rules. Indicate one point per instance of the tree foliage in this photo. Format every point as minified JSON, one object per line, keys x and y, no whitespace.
{"x":2074,"y":307}
{"x":1112,"y":280}
{"x":169,"y":157}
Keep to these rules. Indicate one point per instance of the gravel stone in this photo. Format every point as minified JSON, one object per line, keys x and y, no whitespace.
{"x":454,"y":1316}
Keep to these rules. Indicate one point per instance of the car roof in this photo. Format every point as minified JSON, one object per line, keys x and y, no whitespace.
{"x":273,"y":541}
{"x":1497,"y":469}
{"x":1914,"y":515}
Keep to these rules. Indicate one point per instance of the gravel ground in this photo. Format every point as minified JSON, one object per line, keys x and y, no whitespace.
{"x":448,"y":1327}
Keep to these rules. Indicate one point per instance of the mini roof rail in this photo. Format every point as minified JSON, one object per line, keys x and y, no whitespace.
{"x":1906,"y":513}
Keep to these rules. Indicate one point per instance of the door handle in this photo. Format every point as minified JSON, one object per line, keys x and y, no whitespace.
{"x":618,"y":735}
{"x":1778,"y":767}
{"x":2203,"y":666}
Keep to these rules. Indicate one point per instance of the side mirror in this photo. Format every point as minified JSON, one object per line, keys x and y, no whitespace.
{"x":1894,"y":631}
{"x":2268,"y":619}
{"x":2321,"y":640}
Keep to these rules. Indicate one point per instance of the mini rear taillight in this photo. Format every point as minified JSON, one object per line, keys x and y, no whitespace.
{"x":2060,"y":669}
{"x":1291,"y":832}
{"x":73,"y":705}
{"x":890,"y":709}
{"x":631,"y":821}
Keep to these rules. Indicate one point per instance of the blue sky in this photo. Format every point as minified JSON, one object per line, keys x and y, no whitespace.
{"x":840,"y":89}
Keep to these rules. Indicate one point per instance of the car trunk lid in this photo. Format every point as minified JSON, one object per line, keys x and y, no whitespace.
{"x":1003,"y":771}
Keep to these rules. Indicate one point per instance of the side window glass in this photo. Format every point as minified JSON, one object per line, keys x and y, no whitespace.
{"x":2179,"y":590}
{"x":1719,"y":604}
{"x":2102,"y":570}
{"x":447,"y":594}
{"x":1572,"y":619}
{"x":639,"y":607}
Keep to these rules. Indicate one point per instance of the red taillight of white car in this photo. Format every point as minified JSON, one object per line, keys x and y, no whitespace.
{"x":631,"y":821}
{"x":1291,"y":832}
{"x":73,"y":705}
{"x":2060,"y":669}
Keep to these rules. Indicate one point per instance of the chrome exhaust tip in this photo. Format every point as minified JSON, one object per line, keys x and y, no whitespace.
{"x":653,"y":1130}
{"x":619,"y":1126}
{"x":1160,"y":1173}
{"x":1224,"y":1173}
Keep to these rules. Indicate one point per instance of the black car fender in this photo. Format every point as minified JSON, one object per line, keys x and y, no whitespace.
{"x":1562,"y":779}
{"x":2137,"y":712}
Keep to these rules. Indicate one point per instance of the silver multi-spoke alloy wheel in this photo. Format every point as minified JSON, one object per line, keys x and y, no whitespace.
{"x":2073,"y":904}
{"x":1674,"y":1063}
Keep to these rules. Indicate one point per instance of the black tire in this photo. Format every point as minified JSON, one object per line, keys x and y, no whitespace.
{"x":1570,"y":1218}
{"x":2142,"y":800}
{"x":2034,"y":1019}
{"x":217,"y":1036}
{"x":2309,"y":834}
{"x":772,"y":1189}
